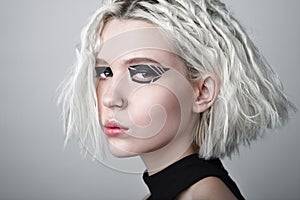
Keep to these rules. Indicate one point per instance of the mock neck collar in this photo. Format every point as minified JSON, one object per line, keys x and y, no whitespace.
{"x":171,"y":181}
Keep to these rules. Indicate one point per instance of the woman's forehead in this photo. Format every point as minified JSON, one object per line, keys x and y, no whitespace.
{"x":120,"y":37}
{"x":114,"y":27}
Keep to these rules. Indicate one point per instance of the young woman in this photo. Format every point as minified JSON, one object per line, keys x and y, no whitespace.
{"x":178,"y":83}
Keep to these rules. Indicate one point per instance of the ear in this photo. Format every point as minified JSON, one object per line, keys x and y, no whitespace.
{"x":206,"y":92}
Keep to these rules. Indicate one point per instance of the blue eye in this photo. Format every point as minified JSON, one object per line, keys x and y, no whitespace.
{"x":103,"y":72}
{"x":146,"y":73}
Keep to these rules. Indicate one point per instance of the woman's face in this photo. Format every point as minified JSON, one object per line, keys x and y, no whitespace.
{"x":144,"y":100}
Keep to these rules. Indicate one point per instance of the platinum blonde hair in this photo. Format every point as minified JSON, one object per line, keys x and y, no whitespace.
{"x":209,"y":40}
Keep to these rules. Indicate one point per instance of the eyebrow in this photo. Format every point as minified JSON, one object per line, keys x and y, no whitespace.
{"x":131,"y":61}
{"x":140,"y":60}
{"x":100,"y":61}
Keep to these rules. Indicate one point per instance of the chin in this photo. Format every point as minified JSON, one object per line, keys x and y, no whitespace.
{"x":120,"y":152}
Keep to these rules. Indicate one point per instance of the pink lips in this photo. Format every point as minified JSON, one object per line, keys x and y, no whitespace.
{"x":114,"y":128}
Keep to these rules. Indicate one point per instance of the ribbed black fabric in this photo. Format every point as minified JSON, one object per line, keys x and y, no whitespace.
{"x":171,"y":181}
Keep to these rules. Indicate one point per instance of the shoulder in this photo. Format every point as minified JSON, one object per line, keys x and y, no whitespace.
{"x":209,"y":188}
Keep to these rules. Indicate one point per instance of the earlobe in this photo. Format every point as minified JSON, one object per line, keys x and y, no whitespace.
{"x":206,"y":92}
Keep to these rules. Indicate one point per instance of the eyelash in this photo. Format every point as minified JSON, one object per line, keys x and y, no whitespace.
{"x":103,"y":72}
{"x":142,"y":73}
{"x":149,"y":73}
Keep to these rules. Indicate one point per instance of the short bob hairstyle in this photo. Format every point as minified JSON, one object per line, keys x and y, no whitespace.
{"x":207,"y":39}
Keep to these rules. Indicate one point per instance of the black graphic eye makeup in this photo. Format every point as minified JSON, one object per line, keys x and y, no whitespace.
{"x":142,"y":73}
{"x":103,"y":72}
{"x":146,"y":73}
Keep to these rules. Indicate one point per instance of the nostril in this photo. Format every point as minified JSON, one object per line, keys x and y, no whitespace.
{"x":112,"y":100}
{"x":117,"y":103}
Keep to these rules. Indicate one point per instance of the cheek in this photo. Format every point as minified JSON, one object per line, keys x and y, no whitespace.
{"x":154,"y":110}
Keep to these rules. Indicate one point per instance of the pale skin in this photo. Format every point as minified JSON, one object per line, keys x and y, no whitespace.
{"x":162,"y":148}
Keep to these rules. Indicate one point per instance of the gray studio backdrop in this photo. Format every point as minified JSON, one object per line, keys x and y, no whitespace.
{"x":37,"y":44}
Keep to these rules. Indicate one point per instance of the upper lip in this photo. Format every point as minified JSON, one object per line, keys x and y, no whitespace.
{"x":112,"y":123}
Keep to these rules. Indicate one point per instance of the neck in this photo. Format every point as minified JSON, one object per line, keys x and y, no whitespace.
{"x":160,"y":159}
{"x":180,"y":146}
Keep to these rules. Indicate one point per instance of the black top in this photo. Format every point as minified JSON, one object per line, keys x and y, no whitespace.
{"x":171,"y":181}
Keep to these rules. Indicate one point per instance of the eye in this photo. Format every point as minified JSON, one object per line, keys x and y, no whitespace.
{"x":103,"y":72}
{"x":146,"y":73}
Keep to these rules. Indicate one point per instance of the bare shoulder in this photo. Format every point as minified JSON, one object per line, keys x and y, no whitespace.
{"x":211,"y":188}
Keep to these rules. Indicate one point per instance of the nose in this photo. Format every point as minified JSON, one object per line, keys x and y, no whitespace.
{"x":112,"y":100}
{"x":113,"y":96}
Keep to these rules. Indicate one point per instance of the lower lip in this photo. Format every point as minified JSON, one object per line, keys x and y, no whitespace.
{"x":113,"y":131}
